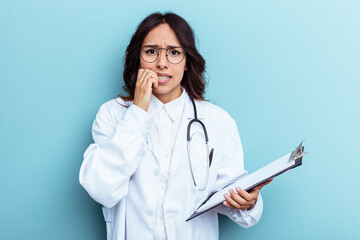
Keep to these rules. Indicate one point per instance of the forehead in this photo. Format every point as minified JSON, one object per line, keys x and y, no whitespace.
{"x":161,"y":35}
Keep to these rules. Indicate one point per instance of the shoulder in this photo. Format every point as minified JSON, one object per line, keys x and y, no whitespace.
{"x":113,"y":109}
{"x":116,"y":104}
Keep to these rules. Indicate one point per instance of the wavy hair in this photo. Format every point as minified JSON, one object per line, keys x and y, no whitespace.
{"x":193,"y":80}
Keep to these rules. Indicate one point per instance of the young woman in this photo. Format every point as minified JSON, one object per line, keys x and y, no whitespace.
{"x":150,"y":166}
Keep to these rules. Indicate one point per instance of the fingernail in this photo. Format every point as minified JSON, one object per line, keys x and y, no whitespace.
{"x":231,"y":191}
{"x":238,"y":189}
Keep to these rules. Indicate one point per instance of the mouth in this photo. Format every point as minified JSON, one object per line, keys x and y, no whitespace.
{"x":163,"y":78}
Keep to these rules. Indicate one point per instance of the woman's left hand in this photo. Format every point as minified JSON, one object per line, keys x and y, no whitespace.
{"x":241,"y":199}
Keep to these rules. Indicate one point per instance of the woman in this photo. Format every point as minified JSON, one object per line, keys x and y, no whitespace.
{"x":139,"y":167}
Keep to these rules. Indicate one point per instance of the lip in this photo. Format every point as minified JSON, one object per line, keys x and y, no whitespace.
{"x":163,"y":75}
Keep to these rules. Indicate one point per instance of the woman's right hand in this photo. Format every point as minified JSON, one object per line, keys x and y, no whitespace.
{"x":146,"y":80}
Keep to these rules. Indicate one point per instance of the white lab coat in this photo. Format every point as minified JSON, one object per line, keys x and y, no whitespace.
{"x":121,"y":172}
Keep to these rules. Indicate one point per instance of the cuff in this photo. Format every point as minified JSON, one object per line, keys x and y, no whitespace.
{"x":255,"y":211}
{"x":245,"y":218}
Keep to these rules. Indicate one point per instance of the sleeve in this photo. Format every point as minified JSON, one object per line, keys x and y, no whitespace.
{"x":115,"y":154}
{"x":232,"y":167}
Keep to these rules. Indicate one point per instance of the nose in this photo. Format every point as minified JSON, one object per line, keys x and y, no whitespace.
{"x":162,"y":61}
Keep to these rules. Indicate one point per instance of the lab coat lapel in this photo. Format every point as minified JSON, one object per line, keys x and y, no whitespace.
{"x":153,"y":145}
{"x":180,"y":148}
{"x":153,"y":138}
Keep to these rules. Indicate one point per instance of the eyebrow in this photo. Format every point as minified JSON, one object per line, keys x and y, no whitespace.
{"x":168,"y":46}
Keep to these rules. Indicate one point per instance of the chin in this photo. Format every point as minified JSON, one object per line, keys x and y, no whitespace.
{"x":160,"y":90}
{"x":165,"y":90}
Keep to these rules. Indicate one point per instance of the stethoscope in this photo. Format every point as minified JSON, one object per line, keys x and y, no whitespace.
{"x":209,"y":155}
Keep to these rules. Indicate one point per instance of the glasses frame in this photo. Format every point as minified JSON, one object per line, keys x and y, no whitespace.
{"x":166,"y":53}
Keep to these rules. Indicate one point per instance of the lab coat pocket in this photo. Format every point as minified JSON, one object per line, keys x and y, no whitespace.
{"x":109,"y":221}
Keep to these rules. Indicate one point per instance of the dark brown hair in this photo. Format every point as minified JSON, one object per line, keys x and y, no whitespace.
{"x":193,"y":80}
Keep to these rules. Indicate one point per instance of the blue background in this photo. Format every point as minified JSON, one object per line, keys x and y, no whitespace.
{"x":285,"y":70}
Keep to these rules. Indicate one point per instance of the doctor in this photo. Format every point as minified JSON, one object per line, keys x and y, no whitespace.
{"x":140,"y":167}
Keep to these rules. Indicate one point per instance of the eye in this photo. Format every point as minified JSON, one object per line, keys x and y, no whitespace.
{"x":174,"y":52}
{"x":151,"y":51}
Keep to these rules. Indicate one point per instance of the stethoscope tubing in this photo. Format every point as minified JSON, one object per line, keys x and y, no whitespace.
{"x":210,"y":153}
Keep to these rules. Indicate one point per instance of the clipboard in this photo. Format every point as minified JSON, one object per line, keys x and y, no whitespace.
{"x":273,"y":169}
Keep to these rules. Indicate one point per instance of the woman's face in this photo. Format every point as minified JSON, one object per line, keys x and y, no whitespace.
{"x":170,"y":75}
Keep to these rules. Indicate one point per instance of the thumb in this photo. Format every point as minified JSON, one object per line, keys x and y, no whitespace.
{"x":259,"y":187}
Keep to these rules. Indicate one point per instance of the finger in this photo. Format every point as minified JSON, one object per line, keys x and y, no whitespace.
{"x":140,"y":79}
{"x":155,"y":82}
{"x":140,"y":74}
{"x":267,"y":182}
{"x":152,"y":82}
{"x":228,"y":205}
{"x":258,"y":188}
{"x":247,"y":202}
{"x":239,"y":199}
{"x":147,"y":71}
{"x":151,"y":79}
{"x":232,"y":202}
{"x":147,"y":76}
{"x":143,"y":78}
{"x":155,"y":74}
{"x":244,"y":194}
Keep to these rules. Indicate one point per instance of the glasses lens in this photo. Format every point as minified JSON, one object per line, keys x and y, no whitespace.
{"x":149,"y":54}
{"x":175,"y":55}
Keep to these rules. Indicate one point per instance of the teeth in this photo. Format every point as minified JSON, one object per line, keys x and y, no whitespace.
{"x":163,"y":78}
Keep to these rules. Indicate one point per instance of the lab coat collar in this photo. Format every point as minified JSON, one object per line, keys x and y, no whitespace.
{"x":173,"y":108}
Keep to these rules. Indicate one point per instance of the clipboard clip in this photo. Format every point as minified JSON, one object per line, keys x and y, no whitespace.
{"x":298,"y":152}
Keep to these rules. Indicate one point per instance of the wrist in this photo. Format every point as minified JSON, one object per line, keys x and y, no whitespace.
{"x":143,"y":106}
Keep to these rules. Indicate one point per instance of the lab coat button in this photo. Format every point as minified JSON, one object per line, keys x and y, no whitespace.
{"x":156,"y":172}
{"x":150,"y":212}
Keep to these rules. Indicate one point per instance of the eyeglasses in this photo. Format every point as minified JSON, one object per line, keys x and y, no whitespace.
{"x":151,"y":53}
